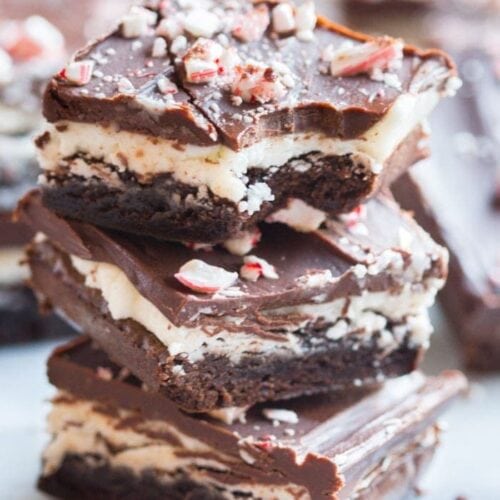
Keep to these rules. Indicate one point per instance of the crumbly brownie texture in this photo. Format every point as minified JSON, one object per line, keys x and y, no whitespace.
{"x":103,"y":422}
{"x":456,"y":199}
{"x":128,"y":111}
{"x":164,"y":207}
{"x":329,"y":318}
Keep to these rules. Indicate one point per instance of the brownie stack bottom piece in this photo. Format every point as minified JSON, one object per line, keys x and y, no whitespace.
{"x":113,"y":439}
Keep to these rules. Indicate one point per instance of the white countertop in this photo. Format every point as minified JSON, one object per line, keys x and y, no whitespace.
{"x":466,"y":465}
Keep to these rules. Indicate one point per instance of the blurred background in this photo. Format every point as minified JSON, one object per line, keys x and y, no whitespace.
{"x":458,"y":202}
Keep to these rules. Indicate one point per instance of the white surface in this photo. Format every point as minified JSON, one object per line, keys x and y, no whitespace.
{"x":466,"y":465}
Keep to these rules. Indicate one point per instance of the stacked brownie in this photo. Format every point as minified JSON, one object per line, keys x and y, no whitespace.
{"x":214,"y":217}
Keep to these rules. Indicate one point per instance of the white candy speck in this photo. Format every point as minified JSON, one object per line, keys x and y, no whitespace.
{"x":299,"y":216}
{"x":136,"y":23}
{"x":170,"y":28}
{"x":285,"y":416}
{"x":200,"y":22}
{"x":283,"y":18}
{"x":125,"y":86}
{"x":306,"y":19}
{"x":178,"y":45}
{"x":159,"y":47}
{"x":166,"y":86}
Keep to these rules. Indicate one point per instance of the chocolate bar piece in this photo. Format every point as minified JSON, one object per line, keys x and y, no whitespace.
{"x":341,"y":307}
{"x":454,"y":198}
{"x":194,"y":123}
{"x":113,"y":439}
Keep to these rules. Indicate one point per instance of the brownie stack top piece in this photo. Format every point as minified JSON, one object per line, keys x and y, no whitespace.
{"x":194,"y":122}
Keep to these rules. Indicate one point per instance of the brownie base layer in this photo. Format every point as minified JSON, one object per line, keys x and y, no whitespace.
{"x":214,"y":382}
{"x":170,"y":210}
{"x":89,"y":477}
{"x":20,"y":320}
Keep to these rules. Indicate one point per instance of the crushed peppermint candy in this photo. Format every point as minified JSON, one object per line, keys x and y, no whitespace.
{"x":137,"y":22}
{"x":258,"y":83}
{"x":159,"y":48}
{"x":78,"y":72}
{"x":255,"y":268}
{"x":204,"y":278}
{"x":382,"y":54}
{"x":306,"y":19}
{"x":125,"y":86}
{"x":207,"y":60}
{"x":243,"y":243}
{"x":284,"y":18}
{"x":353,"y":221}
{"x":32,"y":38}
{"x":170,"y":28}
{"x":166,"y":86}
{"x":202,"y":23}
{"x":104,"y":373}
{"x":281,"y":415}
{"x":251,"y":26}
{"x":179,"y":44}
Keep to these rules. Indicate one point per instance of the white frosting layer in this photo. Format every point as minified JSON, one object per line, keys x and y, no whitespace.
{"x":12,"y":271}
{"x":367,"y":313}
{"x":219,"y":169}
{"x":77,"y":428}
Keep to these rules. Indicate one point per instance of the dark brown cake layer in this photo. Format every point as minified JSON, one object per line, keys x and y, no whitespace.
{"x":216,"y":381}
{"x":365,"y":442}
{"x":167,"y":209}
{"x":455,"y":199}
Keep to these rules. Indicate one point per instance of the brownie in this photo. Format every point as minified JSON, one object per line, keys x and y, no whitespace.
{"x":455,"y":199}
{"x":342,"y":307}
{"x":111,"y":439}
{"x":142,"y":142}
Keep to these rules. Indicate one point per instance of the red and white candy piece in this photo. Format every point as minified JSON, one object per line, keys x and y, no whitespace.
{"x":381,"y":53}
{"x":206,"y":60}
{"x":244,"y":243}
{"x":78,"y":72}
{"x":255,"y":268}
{"x":30,"y":39}
{"x":166,"y":86}
{"x":353,"y":220}
{"x":256,"y":82}
{"x":204,"y":278}
{"x":251,"y":26}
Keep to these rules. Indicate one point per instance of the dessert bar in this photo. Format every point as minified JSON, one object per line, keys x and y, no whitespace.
{"x":194,"y":123}
{"x":344,"y":306}
{"x":457,"y":199}
{"x":113,"y":439}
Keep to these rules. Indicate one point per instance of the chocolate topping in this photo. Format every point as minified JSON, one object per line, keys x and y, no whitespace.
{"x":205,"y":114}
{"x":336,"y":438}
{"x":307,"y":264}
